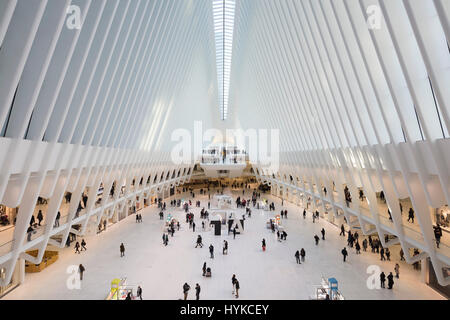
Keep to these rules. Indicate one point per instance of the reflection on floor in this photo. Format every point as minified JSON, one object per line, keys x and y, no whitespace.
{"x":162,"y":271}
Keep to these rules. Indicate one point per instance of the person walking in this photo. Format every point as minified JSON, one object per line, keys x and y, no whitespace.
{"x":197,"y":292}
{"x":122,"y":250}
{"x":438,"y":235}
{"x":382,"y":257}
{"x":186,"y":289}
{"x":166,"y":240}
{"x":364,"y":243}
{"x":225,"y":247}
{"x":237,"y":286}
{"x":402,"y":255}
{"x":342,"y":231}
{"x":297,"y":257}
{"x":83,"y":245}
{"x":390,"y":278}
{"x":303,"y":254}
{"x":388,"y":254}
{"x":233,"y":282}
{"x":81,"y":270}
{"x":139,"y":292}
{"x":40,"y":217}
{"x":199,"y":242}
{"x":382,"y":279}
{"x":29,"y":233}
{"x":358,"y":248}
{"x":304,"y":213}
{"x":411,"y":215}
{"x":344,"y":253}
{"x":211,"y":251}
{"x":264,"y":244}
{"x":204,"y":269}
{"x":234,"y":233}
{"x":58,"y":215}
{"x":77,"y":247}
{"x":397,"y":270}
{"x":316,"y":238}
{"x":323,"y":233}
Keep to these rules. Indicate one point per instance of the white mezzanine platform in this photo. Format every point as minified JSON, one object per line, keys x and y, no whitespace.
{"x":161,"y":271}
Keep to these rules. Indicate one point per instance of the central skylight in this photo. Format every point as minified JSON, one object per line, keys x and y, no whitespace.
{"x":223,"y":11}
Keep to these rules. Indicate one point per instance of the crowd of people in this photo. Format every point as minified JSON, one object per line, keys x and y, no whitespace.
{"x":354,"y":240}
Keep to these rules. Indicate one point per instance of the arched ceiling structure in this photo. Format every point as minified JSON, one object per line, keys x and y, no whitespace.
{"x":358,"y":90}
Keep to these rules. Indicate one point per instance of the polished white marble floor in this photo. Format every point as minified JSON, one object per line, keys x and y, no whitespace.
{"x":161,"y":271}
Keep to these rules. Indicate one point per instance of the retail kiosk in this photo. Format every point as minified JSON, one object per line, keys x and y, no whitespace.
{"x":120,"y":289}
{"x":328,"y":287}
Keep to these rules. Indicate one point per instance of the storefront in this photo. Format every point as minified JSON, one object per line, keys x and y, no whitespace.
{"x":16,"y":279}
{"x":442,"y":217}
{"x":7,"y":216}
{"x":433,"y":282}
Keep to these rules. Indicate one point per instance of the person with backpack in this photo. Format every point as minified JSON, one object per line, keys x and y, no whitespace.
{"x":316,"y":238}
{"x":199,"y":242}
